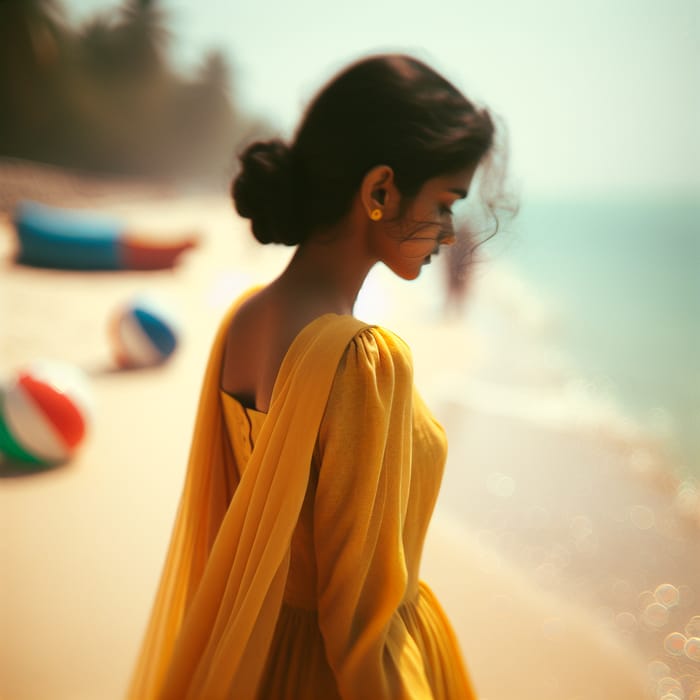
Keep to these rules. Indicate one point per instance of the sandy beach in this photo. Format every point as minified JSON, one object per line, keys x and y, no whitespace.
{"x":557,"y":528}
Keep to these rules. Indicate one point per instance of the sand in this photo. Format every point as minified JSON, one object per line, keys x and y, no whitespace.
{"x":548,"y":530}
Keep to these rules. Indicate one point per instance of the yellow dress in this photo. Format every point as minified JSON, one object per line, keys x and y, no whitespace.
{"x":293,"y":567}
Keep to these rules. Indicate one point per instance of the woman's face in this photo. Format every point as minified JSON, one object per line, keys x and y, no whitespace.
{"x":408,"y":244}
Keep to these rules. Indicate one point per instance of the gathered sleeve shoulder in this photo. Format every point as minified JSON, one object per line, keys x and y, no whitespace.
{"x":365,"y":445}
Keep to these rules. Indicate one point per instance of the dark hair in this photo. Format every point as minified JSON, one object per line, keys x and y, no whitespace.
{"x":385,"y":110}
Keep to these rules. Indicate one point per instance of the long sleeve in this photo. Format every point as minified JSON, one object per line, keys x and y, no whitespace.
{"x":365,"y":444}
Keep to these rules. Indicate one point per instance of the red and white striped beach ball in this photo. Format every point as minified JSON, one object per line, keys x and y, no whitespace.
{"x":46,"y":412}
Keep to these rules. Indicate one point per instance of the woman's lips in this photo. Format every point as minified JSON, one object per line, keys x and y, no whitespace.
{"x":427,"y":259}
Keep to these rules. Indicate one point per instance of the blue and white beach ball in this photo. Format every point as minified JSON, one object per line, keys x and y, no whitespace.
{"x":144,"y":332}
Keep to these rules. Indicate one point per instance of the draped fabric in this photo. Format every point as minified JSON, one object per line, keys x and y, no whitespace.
{"x":293,"y":567}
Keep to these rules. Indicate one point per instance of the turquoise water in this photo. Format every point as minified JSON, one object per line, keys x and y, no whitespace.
{"x":625,"y":277}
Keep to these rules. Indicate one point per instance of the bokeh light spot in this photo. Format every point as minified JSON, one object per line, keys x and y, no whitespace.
{"x":692,"y":629}
{"x":655,"y":615}
{"x":581,"y":527}
{"x":692,"y":648}
{"x":645,"y":599}
{"x":688,"y":499}
{"x":658,"y":669}
{"x":667,"y":594}
{"x":626,"y":621}
{"x":674,"y":643}
{"x":669,"y":687}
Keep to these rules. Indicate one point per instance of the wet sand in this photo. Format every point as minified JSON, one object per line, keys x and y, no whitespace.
{"x":548,"y":539}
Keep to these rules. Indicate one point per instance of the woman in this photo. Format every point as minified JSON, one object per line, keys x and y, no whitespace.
{"x":457,"y":264}
{"x":293,"y":568}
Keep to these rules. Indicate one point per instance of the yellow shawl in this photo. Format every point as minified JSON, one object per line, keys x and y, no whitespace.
{"x":224,"y":577}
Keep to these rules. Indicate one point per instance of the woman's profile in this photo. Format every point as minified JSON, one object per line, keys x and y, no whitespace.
{"x":293,"y":568}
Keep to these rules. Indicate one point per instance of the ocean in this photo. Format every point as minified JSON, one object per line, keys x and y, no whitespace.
{"x":621,"y":280}
{"x":590,"y":310}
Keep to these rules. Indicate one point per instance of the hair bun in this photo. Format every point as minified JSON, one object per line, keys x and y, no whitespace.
{"x":262,"y":191}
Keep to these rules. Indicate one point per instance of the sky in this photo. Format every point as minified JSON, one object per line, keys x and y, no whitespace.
{"x":599,"y":97}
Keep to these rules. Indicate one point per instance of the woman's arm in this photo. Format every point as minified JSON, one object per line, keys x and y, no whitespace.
{"x":361,"y":499}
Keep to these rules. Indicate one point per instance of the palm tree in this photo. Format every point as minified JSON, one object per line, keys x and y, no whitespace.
{"x":143,"y":36}
{"x":215,"y":72}
{"x":98,"y":46}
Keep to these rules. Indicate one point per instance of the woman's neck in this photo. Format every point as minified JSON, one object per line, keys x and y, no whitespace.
{"x":328,"y":271}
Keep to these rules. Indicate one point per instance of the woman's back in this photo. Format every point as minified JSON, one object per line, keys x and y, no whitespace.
{"x":259,"y":337}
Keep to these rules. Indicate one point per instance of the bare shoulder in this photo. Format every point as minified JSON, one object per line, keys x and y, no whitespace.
{"x":249,"y":316}
{"x":258,"y":338}
{"x":248,"y":331}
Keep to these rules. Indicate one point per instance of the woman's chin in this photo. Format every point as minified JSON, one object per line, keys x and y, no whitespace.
{"x":411,"y":274}
{"x":410,"y":271}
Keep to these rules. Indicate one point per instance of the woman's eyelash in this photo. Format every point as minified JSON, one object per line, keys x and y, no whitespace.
{"x":445,"y":209}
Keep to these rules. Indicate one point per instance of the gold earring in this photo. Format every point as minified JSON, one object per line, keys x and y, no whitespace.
{"x":375,"y":214}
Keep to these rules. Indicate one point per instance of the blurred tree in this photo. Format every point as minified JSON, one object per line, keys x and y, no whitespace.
{"x":99,"y":48}
{"x":31,"y":38}
{"x":215,"y":72}
{"x":203,"y":116}
{"x":142,"y":36}
{"x":105,"y":97}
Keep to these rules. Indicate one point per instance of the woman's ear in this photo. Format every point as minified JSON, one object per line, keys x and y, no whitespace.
{"x":378,"y":193}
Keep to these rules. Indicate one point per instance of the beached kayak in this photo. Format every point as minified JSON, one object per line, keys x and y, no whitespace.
{"x":73,"y":239}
